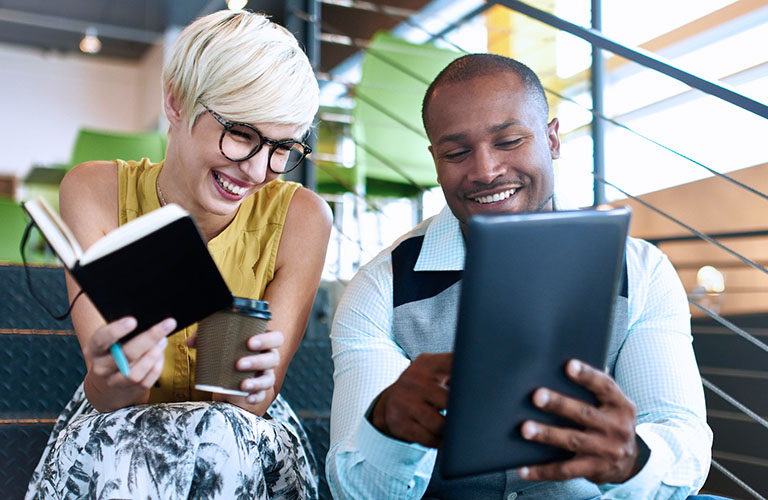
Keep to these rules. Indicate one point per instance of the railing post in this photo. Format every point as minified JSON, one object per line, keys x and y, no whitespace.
{"x":308,"y":35}
{"x":598,"y":127}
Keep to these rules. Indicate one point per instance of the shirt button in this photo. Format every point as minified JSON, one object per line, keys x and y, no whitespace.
{"x":182,"y":347}
{"x":512,"y":496}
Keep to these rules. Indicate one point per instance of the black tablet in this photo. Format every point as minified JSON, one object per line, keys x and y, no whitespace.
{"x":537,"y":290}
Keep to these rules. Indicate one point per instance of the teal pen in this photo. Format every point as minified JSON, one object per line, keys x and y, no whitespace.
{"x":120,"y":359}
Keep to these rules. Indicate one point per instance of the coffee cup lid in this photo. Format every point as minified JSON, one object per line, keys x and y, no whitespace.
{"x":251,"y":307}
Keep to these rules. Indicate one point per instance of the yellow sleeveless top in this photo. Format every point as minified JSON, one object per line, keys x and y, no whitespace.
{"x":245,"y":253}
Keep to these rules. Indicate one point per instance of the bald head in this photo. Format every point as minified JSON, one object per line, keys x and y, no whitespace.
{"x":478,"y":65}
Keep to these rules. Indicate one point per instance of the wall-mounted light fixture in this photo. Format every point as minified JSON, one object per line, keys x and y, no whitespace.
{"x":710,"y":279}
{"x":90,"y":44}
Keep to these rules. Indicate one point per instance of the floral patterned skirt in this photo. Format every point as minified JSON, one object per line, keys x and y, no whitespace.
{"x":195,"y":450}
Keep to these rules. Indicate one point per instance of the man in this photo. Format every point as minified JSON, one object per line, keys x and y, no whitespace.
{"x":486,"y":119}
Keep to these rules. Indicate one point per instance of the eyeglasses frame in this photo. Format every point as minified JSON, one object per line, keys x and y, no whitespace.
{"x":272,"y":143}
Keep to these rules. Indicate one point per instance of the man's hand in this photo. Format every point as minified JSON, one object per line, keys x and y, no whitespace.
{"x":606,"y":450}
{"x":409,"y":409}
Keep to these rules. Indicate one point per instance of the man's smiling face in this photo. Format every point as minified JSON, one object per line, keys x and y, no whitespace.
{"x":492,"y":146}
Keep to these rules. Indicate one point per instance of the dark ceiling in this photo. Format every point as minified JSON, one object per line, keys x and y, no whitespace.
{"x":359,"y":25}
{"x":127,"y":28}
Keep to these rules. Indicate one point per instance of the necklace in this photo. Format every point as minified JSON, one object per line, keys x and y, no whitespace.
{"x":160,"y":194}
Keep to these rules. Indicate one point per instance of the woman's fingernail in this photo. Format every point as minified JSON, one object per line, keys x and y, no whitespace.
{"x":256,"y":398}
{"x":523,"y":472}
{"x":574,"y":367}
{"x":541,"y":398}
{"x":254,"y":343}
{"x":169,"y":324}
{"x":129,"y":323}
{"x":244,"y":364}
{"x":529,"y":430}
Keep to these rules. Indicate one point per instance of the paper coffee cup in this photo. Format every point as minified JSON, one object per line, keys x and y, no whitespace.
{"x":222,"y":340}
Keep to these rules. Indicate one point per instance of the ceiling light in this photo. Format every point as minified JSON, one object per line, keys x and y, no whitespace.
{"x":90,"y":44}
{"x":236,"y":4}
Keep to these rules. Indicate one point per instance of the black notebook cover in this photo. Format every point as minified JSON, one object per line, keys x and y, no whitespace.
{"x":537,"y":291}
{"x":167,"y":273}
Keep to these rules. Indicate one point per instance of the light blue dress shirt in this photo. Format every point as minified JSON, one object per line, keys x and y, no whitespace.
{"x":656,"y":370}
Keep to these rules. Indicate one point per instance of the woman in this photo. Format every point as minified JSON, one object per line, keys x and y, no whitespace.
{"x":239,"y":94}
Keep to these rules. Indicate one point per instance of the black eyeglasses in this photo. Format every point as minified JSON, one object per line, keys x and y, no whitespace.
{"x":240,"y":141}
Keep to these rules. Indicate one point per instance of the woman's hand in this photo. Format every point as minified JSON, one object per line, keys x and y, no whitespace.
{"x":106,"y":388}
{"x":263,"y":363}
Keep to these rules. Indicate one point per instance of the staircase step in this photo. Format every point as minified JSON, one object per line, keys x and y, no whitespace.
{"x":20,"y":310}
{"x":22,"y":446}
{"x":720,"y":484}
{"x":319,"y":325}
{"x":308,"y":384}
{"x":721,"y":350}
{"x":741,"y":436}
{"x":38,"y":373}
{"x":319,"y":433}
{"x":748,"y":391}
{"x":308,"y":388}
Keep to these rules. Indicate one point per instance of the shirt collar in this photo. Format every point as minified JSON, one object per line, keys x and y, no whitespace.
{"x":443,"y":248}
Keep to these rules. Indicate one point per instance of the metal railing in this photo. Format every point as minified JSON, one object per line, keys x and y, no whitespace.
{"x":332,"y":34}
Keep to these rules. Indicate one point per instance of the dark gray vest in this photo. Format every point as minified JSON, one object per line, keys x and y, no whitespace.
{"x":425,"y":305}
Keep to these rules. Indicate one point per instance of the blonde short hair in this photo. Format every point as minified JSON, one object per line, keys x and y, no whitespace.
{"x":244,"y":67}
